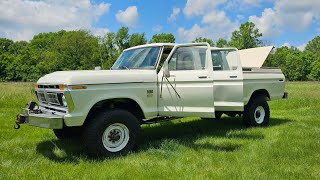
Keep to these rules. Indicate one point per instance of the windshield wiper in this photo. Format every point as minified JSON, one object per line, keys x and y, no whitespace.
{"x":124,"y":67}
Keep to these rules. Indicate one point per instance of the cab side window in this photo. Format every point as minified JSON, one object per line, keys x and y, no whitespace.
{"x":224,"y":60}
{"x":188,"y":58}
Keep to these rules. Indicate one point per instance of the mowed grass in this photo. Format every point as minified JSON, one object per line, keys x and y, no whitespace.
{"x":188,"y":148}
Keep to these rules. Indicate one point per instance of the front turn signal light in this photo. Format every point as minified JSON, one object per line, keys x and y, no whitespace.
{"x":61,"y":87}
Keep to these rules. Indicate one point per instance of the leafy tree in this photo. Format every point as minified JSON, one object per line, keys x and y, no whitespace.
{"x":163,"y":38}
{"x":137,"y":39}
{"x":315,"y":72}
{"x":109,"y":52}
{"x":201,"y":39}
{"x":246,"y":37}
{"x":313,"y":45}
{"x":298,"y":66}
{"x":122,"y":38}
{"x":222,"y":43}
{"x":5,"y":44}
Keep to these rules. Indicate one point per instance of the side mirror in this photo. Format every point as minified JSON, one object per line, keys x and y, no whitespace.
{"x":166,"y":71}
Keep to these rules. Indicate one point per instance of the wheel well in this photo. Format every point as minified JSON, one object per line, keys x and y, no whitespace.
{"x":260,"y":92}
{"x":117,"y":103}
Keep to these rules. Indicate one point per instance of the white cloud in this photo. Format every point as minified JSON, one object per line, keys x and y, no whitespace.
{"x":286,"y":45}
{"x":99,"y":32}
{"x":21,"y":20}
{"x":286,"y":15}
{"x":242,"y":4}
{"x":268,"y":23}
{"x":302,"y":47}
{"x":191,"y":34}
{"x":128,"y":17}
{"x":214,"y":25}
{"x":157,"y":28}
{"x":174,"y":14}
{"x":200,"y":7}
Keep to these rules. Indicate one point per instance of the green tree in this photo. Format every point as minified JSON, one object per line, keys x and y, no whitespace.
{"x":246,"y":37}
{"x":315,"y":71}
{"x":137,"y":39}
{"x":78,"y":50}
{"x":5,"y":44}
{"x":122,"y":38}
{"x":108,"y":50}
{"x":313,"y":45}
{"x":163,"y":38}
{"x":222,"y":43}
{"x":201,"y":39}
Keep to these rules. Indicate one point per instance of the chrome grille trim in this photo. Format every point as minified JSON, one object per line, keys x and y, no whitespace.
{"x":41,"y":97}
{"x":52,"y":98}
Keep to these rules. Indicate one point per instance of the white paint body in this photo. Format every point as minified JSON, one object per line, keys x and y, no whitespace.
{"x":202,"y":92}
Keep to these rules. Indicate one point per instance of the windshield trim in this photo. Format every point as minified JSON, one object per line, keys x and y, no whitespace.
{"x":142,"y":47}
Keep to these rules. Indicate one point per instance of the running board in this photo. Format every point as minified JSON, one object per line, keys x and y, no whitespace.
{"x":158,"y":119}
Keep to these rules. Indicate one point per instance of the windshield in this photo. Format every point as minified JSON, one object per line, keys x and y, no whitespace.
{"x":141,"y":58}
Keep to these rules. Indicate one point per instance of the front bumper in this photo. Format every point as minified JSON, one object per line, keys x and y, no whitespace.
{"x":40,"y":118}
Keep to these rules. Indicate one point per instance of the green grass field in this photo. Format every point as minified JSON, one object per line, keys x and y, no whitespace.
{"x":187,"y":148}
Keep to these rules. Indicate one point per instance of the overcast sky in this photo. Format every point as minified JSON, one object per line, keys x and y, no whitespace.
{"x":282,"y":22}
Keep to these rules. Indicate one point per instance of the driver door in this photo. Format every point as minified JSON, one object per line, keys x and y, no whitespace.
{"x":188,"y":91}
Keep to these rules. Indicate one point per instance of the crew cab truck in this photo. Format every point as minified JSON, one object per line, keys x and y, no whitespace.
{"x":149,"y":83}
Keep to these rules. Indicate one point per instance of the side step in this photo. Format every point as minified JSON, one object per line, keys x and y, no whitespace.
{"x":158,"y":119}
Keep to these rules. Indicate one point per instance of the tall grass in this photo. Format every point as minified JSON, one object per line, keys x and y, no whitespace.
{"x":187,"y":148}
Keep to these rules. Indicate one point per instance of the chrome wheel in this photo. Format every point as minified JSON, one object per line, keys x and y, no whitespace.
{"x":115,"y":137}
{"x":259,"y":114}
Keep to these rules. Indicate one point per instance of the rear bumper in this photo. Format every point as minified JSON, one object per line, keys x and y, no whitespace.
{"x":43,"y":119}
{"x":285,"y":95}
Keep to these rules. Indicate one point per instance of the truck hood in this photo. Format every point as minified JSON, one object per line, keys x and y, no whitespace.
{"x":98,"y":77}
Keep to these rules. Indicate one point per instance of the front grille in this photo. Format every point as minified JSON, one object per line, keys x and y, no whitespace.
{"x":48,"y":86}
{"x":41,"y":97}
{"x":50,"y":98}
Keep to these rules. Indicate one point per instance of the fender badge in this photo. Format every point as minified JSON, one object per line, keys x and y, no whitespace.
{"x":149,"y":93}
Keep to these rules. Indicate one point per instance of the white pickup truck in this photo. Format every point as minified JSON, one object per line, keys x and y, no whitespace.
{"x":149,"y":83}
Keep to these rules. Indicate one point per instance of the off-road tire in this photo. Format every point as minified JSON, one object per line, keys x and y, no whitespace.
{"x":94,"y":132}
{"x":256,"y":112}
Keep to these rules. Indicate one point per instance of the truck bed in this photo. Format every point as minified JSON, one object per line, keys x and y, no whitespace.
{"x":270,"y":79}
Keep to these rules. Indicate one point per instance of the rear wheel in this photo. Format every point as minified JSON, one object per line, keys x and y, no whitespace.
{"x":256,"y":112}
{"x":111,"y":133}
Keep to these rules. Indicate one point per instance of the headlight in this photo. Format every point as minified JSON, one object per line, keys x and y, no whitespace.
{"x":64,"y":101}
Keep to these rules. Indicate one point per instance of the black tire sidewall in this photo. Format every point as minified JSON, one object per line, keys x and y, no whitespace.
{"x":249,"y":118}
{"x":94,"y":132}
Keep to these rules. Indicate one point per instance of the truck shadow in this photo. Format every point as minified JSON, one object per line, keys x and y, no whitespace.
{"x":190,"y":133}
{"x":160,"y":135}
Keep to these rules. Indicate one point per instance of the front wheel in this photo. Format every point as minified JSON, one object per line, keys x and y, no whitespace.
{"x":256,"y":112}
{"x":111,"y":133}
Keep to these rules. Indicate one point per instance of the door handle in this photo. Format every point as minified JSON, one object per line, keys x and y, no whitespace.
{"x":233,"y":76}
{"x":202,"y":77}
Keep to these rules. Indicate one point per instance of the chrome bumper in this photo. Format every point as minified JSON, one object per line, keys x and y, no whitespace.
{"x":43,"y":119}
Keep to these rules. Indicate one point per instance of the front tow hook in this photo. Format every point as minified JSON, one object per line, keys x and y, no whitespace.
{"x":20,"y":119}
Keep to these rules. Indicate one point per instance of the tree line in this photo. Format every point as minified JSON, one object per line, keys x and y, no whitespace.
{"x":80,"y":50}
